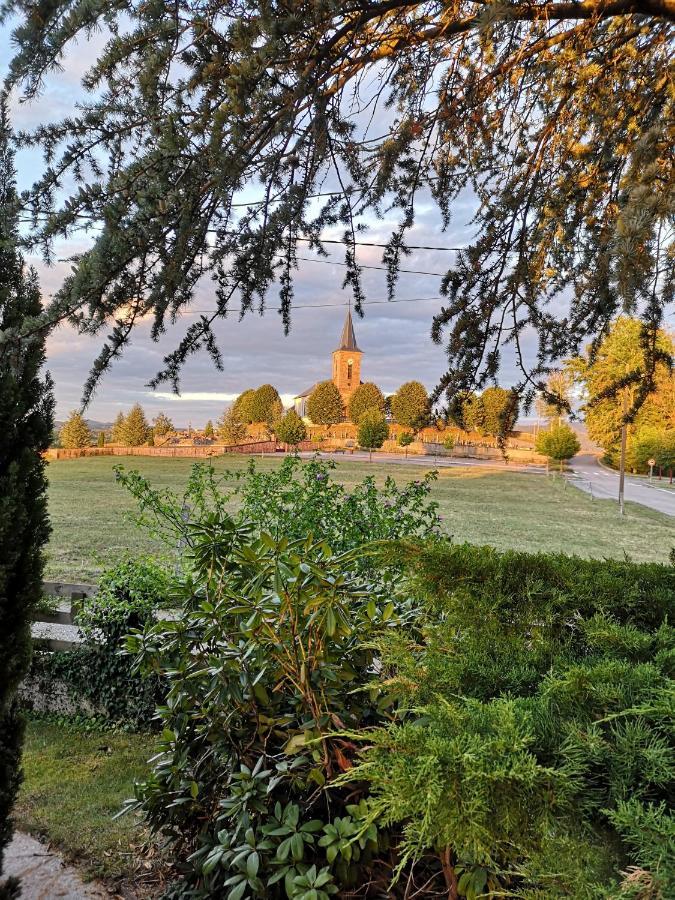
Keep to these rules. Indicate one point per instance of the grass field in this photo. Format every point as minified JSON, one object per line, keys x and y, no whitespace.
{"x":93,"y":525}
{"x":75,"y":782}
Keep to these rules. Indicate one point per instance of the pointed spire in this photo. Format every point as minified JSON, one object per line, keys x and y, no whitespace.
{"x":348,"y":338}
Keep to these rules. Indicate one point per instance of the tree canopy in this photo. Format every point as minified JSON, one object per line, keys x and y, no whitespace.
{"x":162,"y":425}
{"x":230,"y":427}
{"x":265,"y":405}
{"x":242,"y":408}
{"x":373,"y":429}
{"x":136,"y":430}
{"x":324,"y":405}
{"x":556,"y":116}
{"x":410,"y":405}
{"x":622,"y":359}
{"x":366,"y":396}
{"x":291,"y":429}
{"x":559,"y":443}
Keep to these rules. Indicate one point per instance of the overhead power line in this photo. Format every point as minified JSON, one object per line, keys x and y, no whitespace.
{"x":326,"y":305}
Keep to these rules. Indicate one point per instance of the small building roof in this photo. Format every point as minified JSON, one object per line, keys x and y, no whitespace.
{"x":307,"y":392}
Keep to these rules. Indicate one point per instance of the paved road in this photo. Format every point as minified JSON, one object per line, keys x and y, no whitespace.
{"x":605,"y":485}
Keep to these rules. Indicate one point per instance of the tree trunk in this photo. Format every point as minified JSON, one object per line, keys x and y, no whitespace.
{"x":449,"y":874}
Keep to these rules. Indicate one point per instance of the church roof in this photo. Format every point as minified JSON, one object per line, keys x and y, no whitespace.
{"x":306,"y":393}
{"x":348,"y":338}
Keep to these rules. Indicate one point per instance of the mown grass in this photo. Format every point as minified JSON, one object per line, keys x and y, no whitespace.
{"x":75,"y":782}
{"x":92,"y":516}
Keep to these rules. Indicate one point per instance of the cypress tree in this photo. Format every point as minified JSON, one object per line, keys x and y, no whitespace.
{"x":26,"y":421}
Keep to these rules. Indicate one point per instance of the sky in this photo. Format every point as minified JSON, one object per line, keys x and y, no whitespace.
{"x":394,"y":337}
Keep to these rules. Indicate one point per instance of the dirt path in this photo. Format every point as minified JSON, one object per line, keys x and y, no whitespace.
{"x":43,"y":873}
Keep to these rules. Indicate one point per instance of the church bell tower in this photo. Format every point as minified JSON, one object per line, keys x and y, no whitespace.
{"x":347,"y":361}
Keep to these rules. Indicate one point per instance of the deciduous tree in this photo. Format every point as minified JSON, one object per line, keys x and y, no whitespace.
{"x":373,"y":429}
{"x":559,"y":443}
{"x":622,"y":359}
{"x":26,"y":420}
{"x":324,"y":405}
{"x":243,"y":406}
{"x":75,"y":432}
{"x":499,"y":411}
{"x":291,"y":429}
{"x":265,"y":404}
{"x":208,"y":429}
{"x":366,"y":396}
{"x":410,"y":406}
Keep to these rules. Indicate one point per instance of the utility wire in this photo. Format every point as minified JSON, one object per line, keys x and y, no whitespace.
{"x":326,"y":305}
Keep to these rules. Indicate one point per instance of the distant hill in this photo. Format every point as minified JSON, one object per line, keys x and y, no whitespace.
{"x":92,"y":423}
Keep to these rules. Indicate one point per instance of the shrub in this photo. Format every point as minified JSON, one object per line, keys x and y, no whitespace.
{"x":261,"y":669}
{"x":405,"y":439}
{"x":298,"y":499}
{"x":449,"y":442}
{"x":537,"y":759}
{"x":128,"y":597}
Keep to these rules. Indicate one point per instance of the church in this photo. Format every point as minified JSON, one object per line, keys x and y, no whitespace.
{"x":346,"y":368}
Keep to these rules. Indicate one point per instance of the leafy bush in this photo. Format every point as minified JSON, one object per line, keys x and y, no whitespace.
{"x":373,"y":429}
{"x":298,"y":499}
{"x":405,"y":439}
{"x":98,"y":671}
{"x":261,"y":669}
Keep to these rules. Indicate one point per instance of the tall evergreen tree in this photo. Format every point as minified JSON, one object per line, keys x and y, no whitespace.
{"x":26,"y":420}
{"x":118,"y":428}
{"x":75,"y":432}
{"x":136,"y":430}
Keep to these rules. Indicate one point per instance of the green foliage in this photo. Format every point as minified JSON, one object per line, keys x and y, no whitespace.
{"x":410,"y":406}
{"x":100,"y":440}
{"x":251,"y":725}
{"x":208,"y":429}
{"x":373,"y":430}
{"x":367,"y":396}
{"x":449,"y":442}
{"x":129,"y":596}
{"x":559,"y":443}
{"x":291,"y":429}
{"x":118,"y":429}
{"x":651,"y":443}
{"x":75,"y":432}
{"x":297,"y":499}
{"x":405,"y":439}
{"x":499,"y":411}
{"x":162,"y":425}
{"x":324,"y":405}
{"x":26,"y":421}
{"x":214,"y":111}
{"x":231,"y":429}
{"x":135,"y":431}
{"x":243,"y":407}
{"x":616,"y":373}
{"x":265,"y":404}
{"x":534,"y":722}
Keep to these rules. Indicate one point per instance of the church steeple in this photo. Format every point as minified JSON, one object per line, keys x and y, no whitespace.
{"x":348,"y":338}
{"x":347,"y":361}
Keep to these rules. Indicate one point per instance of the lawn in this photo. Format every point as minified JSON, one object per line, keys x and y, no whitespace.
{"x":75,"y":782}
{"x":92,"y":516}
